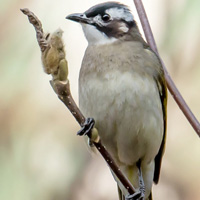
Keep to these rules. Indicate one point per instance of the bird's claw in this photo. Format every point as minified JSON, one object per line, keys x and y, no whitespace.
{"x":136,"y":196}
{"x":142,"y":190}
{"x":141,"y":181}
{"x":86,"y":127}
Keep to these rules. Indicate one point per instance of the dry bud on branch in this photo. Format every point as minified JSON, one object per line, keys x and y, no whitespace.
{"x":53,"y":57}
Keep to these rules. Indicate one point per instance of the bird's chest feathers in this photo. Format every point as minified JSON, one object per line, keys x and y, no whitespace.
{"x":125,"y":104}
{"x":110,"y":77}
{"x":127,"y":111}
{"x":116,"y":90}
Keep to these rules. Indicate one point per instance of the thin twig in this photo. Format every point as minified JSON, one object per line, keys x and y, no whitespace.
{"x":170,"y":84}
{"x":62,"y":89}
{"x":38,"y":28}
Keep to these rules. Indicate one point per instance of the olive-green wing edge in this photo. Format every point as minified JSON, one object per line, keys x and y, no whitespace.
{"x":161,"y":84}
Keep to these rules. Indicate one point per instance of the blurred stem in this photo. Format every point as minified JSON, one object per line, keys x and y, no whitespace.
{"x":170,"y":84}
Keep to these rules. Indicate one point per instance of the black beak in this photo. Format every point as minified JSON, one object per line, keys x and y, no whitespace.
{"x":80,"y":17}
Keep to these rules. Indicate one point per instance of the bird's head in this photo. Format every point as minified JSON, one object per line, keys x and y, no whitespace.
{"x":105,"y":23}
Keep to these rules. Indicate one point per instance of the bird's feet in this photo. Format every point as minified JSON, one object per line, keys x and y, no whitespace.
{"x":86,"y":127}
{"x":141,"y":181}
{"x":89,"y":129}
{"x":136,"y":196}
{"x":141,"y":184}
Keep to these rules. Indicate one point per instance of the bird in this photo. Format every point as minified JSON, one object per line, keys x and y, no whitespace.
{"x":122,"y":86}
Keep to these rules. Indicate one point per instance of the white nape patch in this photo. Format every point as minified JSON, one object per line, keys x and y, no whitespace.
{"x":123,"y":27}
{"x":94,"y":36}
{"x":120,"y":13}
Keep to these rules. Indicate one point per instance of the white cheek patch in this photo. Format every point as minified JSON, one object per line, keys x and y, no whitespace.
{"x":94,"y":36}
{"x":120,"y":13}
{"x":123,"y":28}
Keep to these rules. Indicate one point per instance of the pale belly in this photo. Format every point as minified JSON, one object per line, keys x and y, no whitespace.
{"x":128,"y":114}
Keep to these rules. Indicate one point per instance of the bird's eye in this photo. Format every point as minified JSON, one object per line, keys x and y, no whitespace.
{"x":105,"y":17}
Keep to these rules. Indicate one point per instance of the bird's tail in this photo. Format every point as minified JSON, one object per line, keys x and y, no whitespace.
{"x":120,"y":194}
{"x":150,"y":196}
{"x":122,"y":197}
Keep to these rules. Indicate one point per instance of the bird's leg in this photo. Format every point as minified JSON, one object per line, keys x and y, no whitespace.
{"x":141,"y":181}
{"x":139,"y":195}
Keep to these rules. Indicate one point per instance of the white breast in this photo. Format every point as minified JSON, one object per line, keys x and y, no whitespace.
{"x":128,"y":113}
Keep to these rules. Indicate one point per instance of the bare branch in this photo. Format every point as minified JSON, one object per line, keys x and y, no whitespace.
{"x":61,"y":87}
{"x":170,"y":84}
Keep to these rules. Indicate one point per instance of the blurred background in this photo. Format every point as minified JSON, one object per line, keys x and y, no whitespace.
{"x":40,"y":155}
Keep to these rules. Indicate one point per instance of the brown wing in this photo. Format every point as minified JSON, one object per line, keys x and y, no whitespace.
{"x":163,"y":98}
